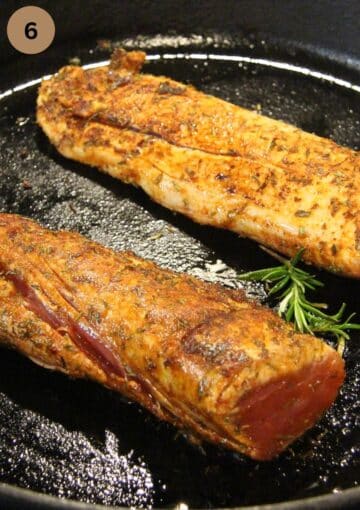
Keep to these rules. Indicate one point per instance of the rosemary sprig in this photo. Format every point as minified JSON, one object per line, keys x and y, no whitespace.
{"x":290,"y":283}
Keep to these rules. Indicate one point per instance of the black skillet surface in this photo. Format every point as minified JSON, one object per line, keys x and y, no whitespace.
{"x":77,"y":440}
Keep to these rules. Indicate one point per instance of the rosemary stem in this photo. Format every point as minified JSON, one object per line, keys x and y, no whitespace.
{"x":289,"y":284}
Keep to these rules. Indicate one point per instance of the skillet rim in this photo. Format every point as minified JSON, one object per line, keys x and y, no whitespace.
{"x":15,"y":497}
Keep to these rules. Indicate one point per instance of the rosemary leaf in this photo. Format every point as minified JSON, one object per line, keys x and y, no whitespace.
{"x":289,"y":284}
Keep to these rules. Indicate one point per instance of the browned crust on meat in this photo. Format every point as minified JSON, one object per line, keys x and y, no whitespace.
{"x":190,"y":350}
{"x":210,"y":160}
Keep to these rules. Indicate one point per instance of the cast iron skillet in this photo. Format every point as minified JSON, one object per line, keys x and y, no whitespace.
{"x":72,"y":438}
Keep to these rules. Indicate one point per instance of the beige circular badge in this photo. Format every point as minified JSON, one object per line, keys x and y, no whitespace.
{"x":31,"y":30}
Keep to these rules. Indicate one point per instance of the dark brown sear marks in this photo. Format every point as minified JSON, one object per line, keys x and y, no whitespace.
{"x":198,"y":342}
{"x":300,"y":213}
{"x":130,"y":61}
{"x":357,"y":238}
{"x":167,"y":88}
{"x":120,"y":81}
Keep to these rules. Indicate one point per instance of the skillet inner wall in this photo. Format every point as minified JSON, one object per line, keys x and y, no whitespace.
{"x":36,"y":182}
{"x":324,"y":27}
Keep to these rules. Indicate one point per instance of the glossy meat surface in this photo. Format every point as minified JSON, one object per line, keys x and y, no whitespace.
{"x":213,"y":161}
{"x":202,"y":357}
